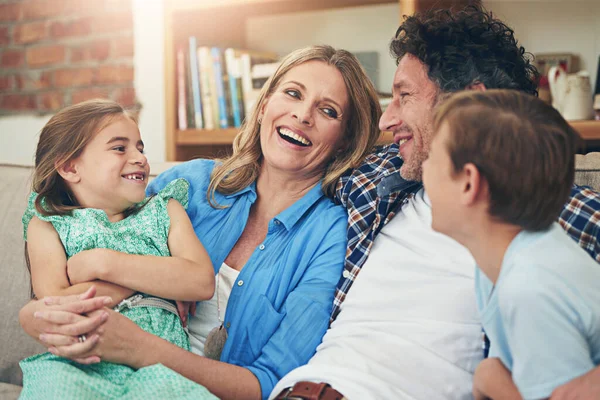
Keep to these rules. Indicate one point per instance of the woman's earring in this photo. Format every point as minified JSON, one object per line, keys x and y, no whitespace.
{"x":259,"y":120}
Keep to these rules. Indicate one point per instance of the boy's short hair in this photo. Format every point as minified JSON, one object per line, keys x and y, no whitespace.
{"x":522,"y":146}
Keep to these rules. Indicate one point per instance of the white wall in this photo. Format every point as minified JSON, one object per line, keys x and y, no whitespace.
{"x":552,"y":26}
{"x":355,"y":29}
{"x":540,"y":25}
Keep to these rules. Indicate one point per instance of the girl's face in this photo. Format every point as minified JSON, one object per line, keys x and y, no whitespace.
{"x":112,"y":172}
{"x":303,"y":120}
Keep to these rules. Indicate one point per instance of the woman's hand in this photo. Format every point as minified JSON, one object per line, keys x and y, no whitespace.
{"x":185,"y":308}
{"x":118,"y":340}
{"x":89,"y":265}
{"x":58,"y":321}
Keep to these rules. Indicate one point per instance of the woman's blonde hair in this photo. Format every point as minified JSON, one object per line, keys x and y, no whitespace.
{"x":62,"y":140}
{"x":361,"y":129}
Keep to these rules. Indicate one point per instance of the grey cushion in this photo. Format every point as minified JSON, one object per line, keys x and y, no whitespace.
{"x":14,"y":281}
{"x":14,"y":278}
{"x":587,"y":170}
{"x":9,"y":391}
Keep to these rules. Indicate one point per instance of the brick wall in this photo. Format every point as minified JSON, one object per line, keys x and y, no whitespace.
{"x":54,"y":53}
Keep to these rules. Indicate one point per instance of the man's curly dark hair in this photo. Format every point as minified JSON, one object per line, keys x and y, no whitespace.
{"x":464,"y":48}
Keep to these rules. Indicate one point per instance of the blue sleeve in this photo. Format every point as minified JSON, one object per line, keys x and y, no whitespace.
{"x":545,"y":325}
{"x":196,"y":172}
{"x":306,"y":312}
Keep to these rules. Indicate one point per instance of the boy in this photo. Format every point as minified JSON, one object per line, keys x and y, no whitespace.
{"x":500,"y":168}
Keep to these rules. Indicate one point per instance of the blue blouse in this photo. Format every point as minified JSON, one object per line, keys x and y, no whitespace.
{"x":279,"y":308}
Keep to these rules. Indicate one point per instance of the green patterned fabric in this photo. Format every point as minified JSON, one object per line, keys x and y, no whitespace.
{"x":46,"y":376}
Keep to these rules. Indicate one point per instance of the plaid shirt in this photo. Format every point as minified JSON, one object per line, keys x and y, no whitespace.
{"x":374,"y":192}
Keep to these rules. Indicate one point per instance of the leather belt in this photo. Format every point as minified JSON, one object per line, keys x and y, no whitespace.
{"x":310,"y":391}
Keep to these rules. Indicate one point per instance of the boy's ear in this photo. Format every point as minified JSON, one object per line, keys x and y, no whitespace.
{"x":477,"y":86}
{"x":68,"y":171}
{"x":474,"y":185}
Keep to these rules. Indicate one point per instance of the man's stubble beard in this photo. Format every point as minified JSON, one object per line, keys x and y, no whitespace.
{"x":412,"y":169}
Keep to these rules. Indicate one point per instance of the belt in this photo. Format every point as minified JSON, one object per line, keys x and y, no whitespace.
{"x":139,"y":300}
{"x":310,"y":391}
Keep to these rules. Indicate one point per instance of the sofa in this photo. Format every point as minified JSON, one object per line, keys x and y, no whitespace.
{"x":14,"y":283}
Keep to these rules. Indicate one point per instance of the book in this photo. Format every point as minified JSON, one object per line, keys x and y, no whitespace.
{"x":248,"y":60}
{"x":234,"y":77}
{"x":220,"y":88}
{"x":195,"y":84}
{"x":206,"y":88}
{"x":189,"y":101}
{"x":181,"y":95}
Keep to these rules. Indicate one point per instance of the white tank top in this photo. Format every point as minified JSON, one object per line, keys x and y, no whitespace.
{"x":208,"y":315}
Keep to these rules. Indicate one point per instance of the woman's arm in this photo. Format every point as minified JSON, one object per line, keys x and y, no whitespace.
{"x":48,"y":264}
{"x":122,"y":341}
{"x":187,"y":275}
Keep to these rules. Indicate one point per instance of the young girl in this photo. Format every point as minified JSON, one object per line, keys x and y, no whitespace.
{"x":88,"y":223}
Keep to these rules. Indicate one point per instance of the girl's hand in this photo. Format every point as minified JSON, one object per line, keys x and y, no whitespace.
{"x":89,"y":265}
{"x":185,"y":308}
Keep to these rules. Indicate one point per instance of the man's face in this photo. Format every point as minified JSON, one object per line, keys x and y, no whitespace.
{"x":410,"y":115}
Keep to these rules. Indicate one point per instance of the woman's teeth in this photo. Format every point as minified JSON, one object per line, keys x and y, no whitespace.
{"x":295,"y":137}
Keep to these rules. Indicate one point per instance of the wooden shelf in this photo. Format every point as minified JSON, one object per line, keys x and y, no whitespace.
{"x":588,"y":130}
{"x":199,"y":137}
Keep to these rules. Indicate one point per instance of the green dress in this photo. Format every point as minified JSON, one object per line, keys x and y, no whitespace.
{"x":46,"y":376}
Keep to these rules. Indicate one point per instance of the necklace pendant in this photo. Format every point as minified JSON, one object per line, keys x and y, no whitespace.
{"x":215,"y":341}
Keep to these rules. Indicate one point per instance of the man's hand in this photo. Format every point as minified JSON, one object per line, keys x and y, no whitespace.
{"x":185,"y":308}
{"x":89,"y":265}
{"x":586,"y":387}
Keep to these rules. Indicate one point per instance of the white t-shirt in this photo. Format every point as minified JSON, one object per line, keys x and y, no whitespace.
{"x":409,"y":327}
{"x":207,"y":313}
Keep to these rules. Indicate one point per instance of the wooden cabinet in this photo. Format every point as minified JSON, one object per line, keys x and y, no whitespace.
{"x":222,"y":23}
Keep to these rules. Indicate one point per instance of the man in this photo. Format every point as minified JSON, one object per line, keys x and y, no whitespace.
{"x":409,"y":326}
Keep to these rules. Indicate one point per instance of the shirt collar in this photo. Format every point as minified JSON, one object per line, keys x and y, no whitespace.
{"x":292,"y":214}
{"x":250,"y":189}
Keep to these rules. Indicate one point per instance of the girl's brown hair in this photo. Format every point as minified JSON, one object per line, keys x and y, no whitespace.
{"x":361,"y":130}
{"x":62,"y":140}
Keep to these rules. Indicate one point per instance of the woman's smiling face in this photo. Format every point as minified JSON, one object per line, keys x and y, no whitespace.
{"x":303,"y":120}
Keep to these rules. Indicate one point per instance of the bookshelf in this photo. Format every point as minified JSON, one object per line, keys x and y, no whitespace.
{"x":219,"y":23}
{"x":222,"y":23}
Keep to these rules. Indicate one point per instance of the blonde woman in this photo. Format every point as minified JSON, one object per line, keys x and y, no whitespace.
{"x":274,"y":236}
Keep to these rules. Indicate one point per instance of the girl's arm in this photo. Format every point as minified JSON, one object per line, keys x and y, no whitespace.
{"x":187,"y":275}
{"x":49,"y":267}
